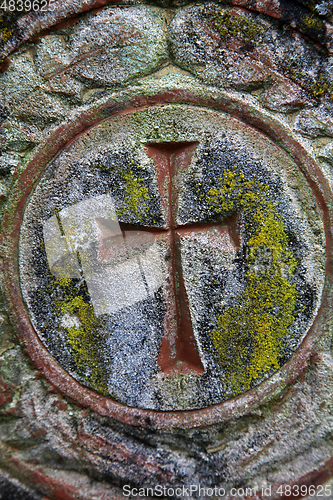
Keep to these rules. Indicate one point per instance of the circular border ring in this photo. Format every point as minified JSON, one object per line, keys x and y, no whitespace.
{"x":25,"y":181}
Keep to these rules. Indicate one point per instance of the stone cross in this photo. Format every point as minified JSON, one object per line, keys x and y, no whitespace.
{"x":134,"y":263}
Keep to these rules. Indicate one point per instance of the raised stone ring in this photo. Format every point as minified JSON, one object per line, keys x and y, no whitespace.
{"x":170,"y":257}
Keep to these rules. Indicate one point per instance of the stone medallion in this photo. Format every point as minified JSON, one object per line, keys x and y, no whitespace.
{"x":166,"y":177}
{"x":171,"y":257}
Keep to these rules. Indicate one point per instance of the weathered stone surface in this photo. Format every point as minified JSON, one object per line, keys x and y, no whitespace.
{"x":26,"y":97}
{"x":14,"y":490}
{"x":208,"y":265}
{"x":108,"y":48}
{"x":3,"y":190}
{"x":15,"y":136}
{"x":8,"y":163}
{"x":51,"y":61}
{"x":312,"y":21}
{"x":326,"y":153}
{"x":272,"y":59}
{"x":285,"y":96}
{"x":315,"y":122}
{"x":229,"y":48}
{"x":198,"y":46}
{"x":70,"y":439}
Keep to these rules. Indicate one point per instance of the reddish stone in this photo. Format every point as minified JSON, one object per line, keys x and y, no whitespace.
{"x":285,"y":96}
{"x":4,"y":65}
{"x":270,"y":8}
{"x":122,"y":457}
{"x":177,"y":354}
{"x":6,"y":393}
{"x":61,"y":405}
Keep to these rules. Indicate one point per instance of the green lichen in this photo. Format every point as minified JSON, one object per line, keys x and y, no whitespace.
{"x":85,"y":340}
{"x":311,"y":22}
{"x":8,"y":24}
{"x":247,"y":338}
{"x":320,"y":87}
{"x":294,"y":68}
{"x":6,"y":27}
{"x":6,"y":34}
{"x":135,"y":196}
{"x":87,"y":336}
{"x":127,"y":186}
{"x":230,"y":24}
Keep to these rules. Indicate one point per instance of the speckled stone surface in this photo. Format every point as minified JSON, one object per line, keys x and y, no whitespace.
{"x":107,"y":175}
{"x":166,"y":198}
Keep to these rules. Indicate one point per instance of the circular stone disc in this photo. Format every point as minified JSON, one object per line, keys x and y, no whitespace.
{"x":170,"y":258}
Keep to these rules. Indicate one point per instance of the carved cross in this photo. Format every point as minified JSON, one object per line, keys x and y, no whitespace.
{"x":128,"y":265}
{"x":179,"y":351}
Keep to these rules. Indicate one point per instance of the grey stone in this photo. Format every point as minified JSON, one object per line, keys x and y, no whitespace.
{"x":8,"y":162}
{"x":196,"y":46}
{"x":326,"y":153}
{"x":3,"y":190}
{"x":285,"y":96}
{"x":231,"y":49}
{"x":26,"y":95}
{"x":19,"y":80}
{"x":52,"y":60}
{"x":314,"y":122}
{"x":12,"y":489}
{"x":116,"y":45}
{"x":44,"y":436}
{"x":323,"y":8}
{"x":16,"y":136}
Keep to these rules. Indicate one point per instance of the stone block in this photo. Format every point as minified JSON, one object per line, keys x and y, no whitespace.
{"x":130,"y":280}
{"x":315,"y":122}
{"x":208,"y":42}
{"x":106,"y":49}
{"x":16,"y":136}
{"x":285,"y":96}
{"x":326,"y":153}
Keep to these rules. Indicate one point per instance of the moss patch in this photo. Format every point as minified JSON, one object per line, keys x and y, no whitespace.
{"x":319,"y":87}
{"x":86,"y":338}
{"x":230,"y":24}
{"x":85,"y":343}
{"x":135,"y":196}
{"x":8,"y":26}
{"x":131,"y":187}
{"x":311,"y":22}
{"x":248,"y":335}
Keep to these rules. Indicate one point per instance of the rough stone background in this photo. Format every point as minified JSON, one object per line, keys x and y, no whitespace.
{"x":275,"y":55}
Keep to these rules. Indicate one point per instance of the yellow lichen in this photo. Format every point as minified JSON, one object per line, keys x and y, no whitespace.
{"x":317,"y":89}
{"x":321,"y":87}
{"x":85,"y":343}
{"x":248,"y":335}
{"x":230,"y":24}
{"x":311,"y":22}
{"x":135,"y":194}
{"x":87,"y":336}
{"x":6,"y":34}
